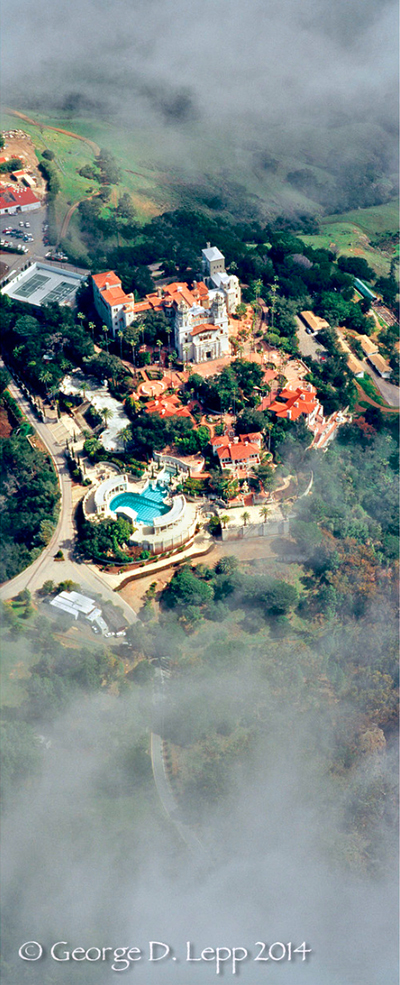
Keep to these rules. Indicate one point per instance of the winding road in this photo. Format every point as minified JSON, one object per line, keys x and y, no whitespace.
{"x":46,"y":567}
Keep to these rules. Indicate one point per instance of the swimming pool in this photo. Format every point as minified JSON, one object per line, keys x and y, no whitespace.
{"x":147,"y":505}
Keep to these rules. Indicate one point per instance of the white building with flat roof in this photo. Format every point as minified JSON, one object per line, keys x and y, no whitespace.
{"x":75,"y":605}
{"x":42,"y":283}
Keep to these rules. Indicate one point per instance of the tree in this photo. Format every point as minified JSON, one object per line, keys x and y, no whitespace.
{"x":245,"y":517}
{"x":241,"y":309}
{"x":5,"y":379}
{"x":104,"y":329}
{"x":280,"y":597}
{"x":47,"y":588}
{"x":226,"y":564}
{"x":264,"y":513}
{"x":185,"y":589}
{"x":106,"y":413}
{"x":125,"y":435}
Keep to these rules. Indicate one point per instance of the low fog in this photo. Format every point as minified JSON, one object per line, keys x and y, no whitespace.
{"x":91,"y":858}
{"x":230,"y":84}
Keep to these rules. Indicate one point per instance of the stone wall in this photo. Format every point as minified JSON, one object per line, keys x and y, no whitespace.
{"x":273,"y":528}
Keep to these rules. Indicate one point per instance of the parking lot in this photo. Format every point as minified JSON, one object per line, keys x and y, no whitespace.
{"x":308,"y":344}
{"x":35,"y":247}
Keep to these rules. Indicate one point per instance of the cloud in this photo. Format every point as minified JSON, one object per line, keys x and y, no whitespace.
{"x":91,"y":859}
{"x":226,"y":71}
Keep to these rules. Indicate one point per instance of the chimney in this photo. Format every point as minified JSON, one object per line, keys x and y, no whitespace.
{"x":208,"y":246}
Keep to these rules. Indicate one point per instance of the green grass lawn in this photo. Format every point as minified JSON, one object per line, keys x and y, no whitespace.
{"x":368,"y":385}
{"x":377,"y":219}
{"x":350,"y":233}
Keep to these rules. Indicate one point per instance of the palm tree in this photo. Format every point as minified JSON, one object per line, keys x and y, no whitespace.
{"x":224,"y":520}
{"x":120,"y":336}
{"x":106,"y":414}
{"x":92,"y":327}
{"x":104,"y":329}
{"x":159,"y":344}
{"x":81,"y":317}
{"x":245,"y":517}
{"x":45,"y":378}
{"x":125,"y":435}
{"x":264,"y":513}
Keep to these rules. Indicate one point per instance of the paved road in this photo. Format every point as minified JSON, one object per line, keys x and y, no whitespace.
{"x":389,"y":391}
{"x":45,"y":567}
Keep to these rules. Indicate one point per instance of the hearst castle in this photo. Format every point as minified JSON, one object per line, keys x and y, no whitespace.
{"x":199,"y":315}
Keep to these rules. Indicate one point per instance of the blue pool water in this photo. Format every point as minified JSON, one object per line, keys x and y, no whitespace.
{"x":148,"y":504}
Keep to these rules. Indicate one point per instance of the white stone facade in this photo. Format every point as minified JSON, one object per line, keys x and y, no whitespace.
{"x":201,"y":334}
{"x":217,"y":279}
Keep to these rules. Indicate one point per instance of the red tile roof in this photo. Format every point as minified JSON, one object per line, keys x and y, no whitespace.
{"x":19,"y":197}
{"x":238,"y":452}
{"x":178,"y":291}
{"x":115,"y":295}
{"x":169,"y":406}
{"x":109,"y":279}
{"x":205,"y":327}
{"x":223,"y":440}
{"x":301,"y":400}
{"x":142,"y":306}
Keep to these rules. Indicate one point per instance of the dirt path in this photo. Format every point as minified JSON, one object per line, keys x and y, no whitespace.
{"x":368,"y":400}
{"x":44,"y":126}
{"x":69,"y":133}
{"x":68,"y":216}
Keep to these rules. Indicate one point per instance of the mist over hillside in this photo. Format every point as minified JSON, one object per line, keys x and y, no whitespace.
{"x":267,"y":89}
{"x":90,"y":859}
